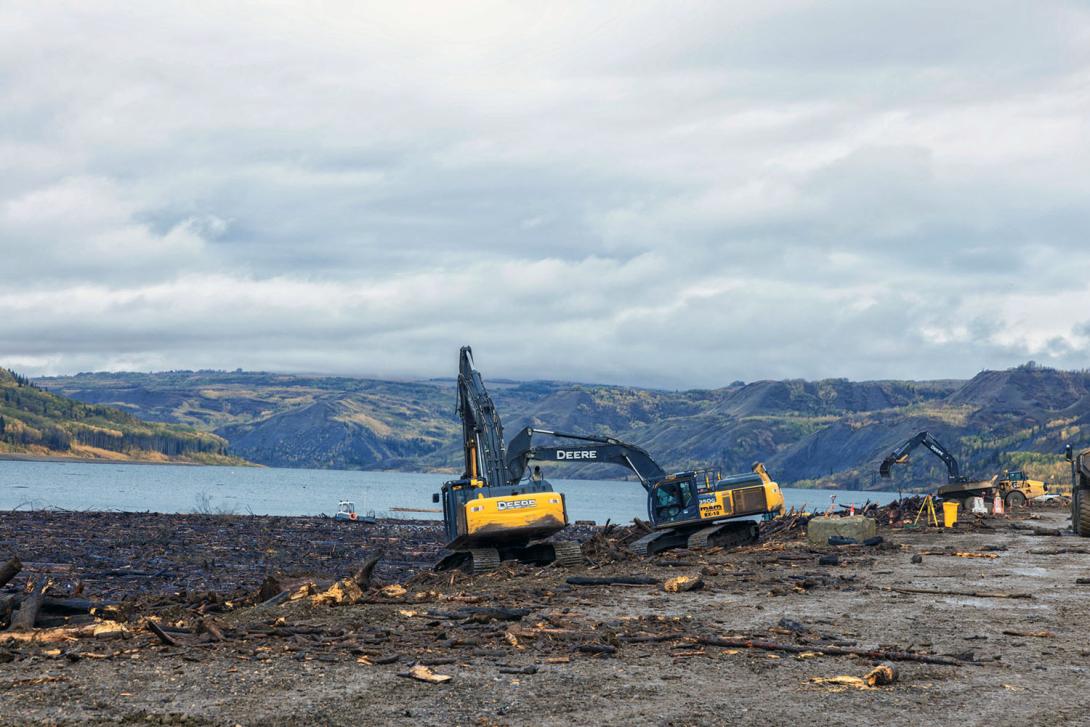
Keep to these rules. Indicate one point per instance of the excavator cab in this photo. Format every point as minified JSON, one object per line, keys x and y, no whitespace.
{"x":671,"y":500}
{"x":700,"y":508}
{"x":703,"y":496}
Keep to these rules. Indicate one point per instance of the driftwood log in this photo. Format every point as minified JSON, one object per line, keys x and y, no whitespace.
{"x":9,"y":570}
{"x":612,"y":581}
{"x":967,"y":594}
{"x":362,"y":577}
{"x":275,"y":600}
{"x":24,"y":618}
{"x":162,"y":635}
{"x":69,"y":605}
{"x":736,"y":643}
{"x":7,"y":605}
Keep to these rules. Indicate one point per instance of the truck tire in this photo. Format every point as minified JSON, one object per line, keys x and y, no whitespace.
{"x":1015,"y":499}
{"x":1080,"y":512}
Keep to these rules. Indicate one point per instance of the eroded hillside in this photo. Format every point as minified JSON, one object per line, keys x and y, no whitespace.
{"x":825,"y":433}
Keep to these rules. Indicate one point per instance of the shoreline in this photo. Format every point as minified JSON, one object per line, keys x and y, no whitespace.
{"x":19,"y":457}
{"x":23,"y":457}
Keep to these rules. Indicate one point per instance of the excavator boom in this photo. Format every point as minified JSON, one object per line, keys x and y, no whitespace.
{"x":590,"y":449}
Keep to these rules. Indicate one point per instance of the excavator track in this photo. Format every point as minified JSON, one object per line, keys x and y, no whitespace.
{"x":658,"y":541}
{"x":567,"y":554}
{"x":724,"y":535}
{"x":483,"y":560}
{"x":721,"y":535}
{"x":644,"y":546}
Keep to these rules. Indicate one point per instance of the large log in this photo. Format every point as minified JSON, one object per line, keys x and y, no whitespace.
{"x":163,"y":636}
{"x":68,"y":605}
{"x":968,"y":594}
{"x":24,"y":618}
{"x":101,"y":629}
{"x":833,"y":651}
{"x":480,"y":614}
{"x":275,"y":600}
{"x":362,"y":577}
{"x":9,"y":570}
{"x":7,"y":604}
{"x":612,"y":581}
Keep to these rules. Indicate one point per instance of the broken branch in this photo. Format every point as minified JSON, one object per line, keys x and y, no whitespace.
{"x":735,"y":643}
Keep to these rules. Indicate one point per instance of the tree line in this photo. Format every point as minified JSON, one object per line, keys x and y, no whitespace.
{"x":30,"y":415}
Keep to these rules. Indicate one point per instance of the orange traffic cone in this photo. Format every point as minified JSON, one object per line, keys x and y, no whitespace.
{"x":997,"y":505}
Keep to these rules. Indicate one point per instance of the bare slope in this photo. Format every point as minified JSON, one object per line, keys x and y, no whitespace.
{"x":831,"y":432}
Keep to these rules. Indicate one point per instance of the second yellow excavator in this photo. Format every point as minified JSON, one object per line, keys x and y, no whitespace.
{"x":690,"y":509}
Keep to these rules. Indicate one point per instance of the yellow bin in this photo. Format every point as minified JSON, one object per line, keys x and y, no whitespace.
{"x":949,"y":513}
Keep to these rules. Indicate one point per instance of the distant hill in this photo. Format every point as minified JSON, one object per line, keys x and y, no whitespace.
{"x":38,"y":423}
{"x":809,"y":433}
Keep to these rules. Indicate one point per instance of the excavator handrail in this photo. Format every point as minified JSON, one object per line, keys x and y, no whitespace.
{"x":521,"y":450}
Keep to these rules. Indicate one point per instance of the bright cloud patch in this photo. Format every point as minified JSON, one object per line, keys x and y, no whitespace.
{"x":588,"y":191}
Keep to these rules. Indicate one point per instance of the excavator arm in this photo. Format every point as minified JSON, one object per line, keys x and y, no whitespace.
{"x":482,"y":432}
{"x":900,"y":456}
{"x":589,"y":449}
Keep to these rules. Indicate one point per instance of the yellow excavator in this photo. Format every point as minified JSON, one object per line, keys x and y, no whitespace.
{"x":1014,"y":487}
{"x":689,"y":509}
{"x":488,"y":519}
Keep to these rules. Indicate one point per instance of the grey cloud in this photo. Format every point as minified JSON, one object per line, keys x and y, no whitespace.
{"x":649,"y":194}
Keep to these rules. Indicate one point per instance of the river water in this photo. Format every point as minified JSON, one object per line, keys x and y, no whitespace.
{"x":271,"y":491}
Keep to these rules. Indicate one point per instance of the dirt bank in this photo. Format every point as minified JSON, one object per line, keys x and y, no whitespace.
{"x":525,"y":647}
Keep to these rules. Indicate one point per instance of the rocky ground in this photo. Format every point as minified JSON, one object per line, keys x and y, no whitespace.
{"x":996,"y":606}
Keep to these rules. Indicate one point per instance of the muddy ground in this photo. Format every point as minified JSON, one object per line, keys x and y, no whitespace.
{"x":576,"y":654}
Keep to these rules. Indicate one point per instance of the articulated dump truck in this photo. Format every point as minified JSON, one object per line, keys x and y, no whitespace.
{"x":1080,"y":491}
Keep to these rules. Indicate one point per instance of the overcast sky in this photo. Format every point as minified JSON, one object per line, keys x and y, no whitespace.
{"x":676,"y":194}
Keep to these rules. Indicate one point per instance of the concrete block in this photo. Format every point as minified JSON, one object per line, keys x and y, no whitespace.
{"x":821,"y":529}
